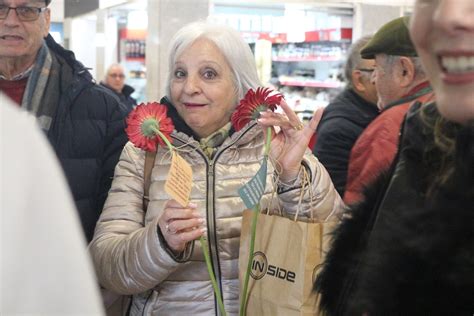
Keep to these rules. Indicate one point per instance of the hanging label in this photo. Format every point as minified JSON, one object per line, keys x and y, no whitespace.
{"x":180,"y":180}
{"x":252,"y":191}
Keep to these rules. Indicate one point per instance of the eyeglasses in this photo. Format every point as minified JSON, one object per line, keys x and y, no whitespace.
{"x":25,"y":14}
{"x":121,"y":76}
{"x":369,"y":70}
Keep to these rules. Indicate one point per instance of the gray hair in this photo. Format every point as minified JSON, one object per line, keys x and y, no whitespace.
{"x":235,"y":50}
{"x":391,"y":59}
{"x":354,"y":58}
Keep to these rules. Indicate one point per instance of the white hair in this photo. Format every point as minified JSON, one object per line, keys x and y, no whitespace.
{"x":229,"y":42}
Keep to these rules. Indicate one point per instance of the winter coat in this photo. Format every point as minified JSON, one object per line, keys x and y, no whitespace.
{"x":125,"y":96}
{"x":87,"y":134}
{"x":343,"y":121}
{"x":132,"y":257}
{"x":376,"y":147}
{"x":407,"y":250}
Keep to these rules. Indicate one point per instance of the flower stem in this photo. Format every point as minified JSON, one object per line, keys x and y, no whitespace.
{"x":163,"y":137}
{"x":243,"y":302}
{"x":217,"y":291}
{"x":268,"y":141}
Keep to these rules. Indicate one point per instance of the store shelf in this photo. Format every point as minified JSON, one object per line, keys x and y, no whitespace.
{"x":310,"y":83}
{"x":309,"y":58}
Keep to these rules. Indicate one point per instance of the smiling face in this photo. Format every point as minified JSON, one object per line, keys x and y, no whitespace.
{"x":443,"y":33}
{"x":202,"y":88}
{"x":21,"y":40}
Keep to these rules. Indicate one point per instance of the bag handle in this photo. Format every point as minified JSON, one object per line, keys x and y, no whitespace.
{"x":150,"y":157}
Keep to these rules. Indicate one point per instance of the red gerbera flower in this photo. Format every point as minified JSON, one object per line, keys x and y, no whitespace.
{"x":252,"y":104}
{"x":147,"y":124}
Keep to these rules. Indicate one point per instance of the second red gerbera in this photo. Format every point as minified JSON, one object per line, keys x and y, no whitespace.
{"x":252,"y":104}
{"x":145,"y":124}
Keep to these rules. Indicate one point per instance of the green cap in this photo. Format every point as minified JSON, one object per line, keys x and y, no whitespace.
{"x":392,"y":39}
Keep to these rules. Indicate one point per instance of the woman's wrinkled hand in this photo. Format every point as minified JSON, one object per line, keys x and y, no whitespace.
{"x":291,"y":141}
{"x":180,"y":225}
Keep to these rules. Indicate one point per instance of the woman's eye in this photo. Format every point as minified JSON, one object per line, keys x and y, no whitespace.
{"x":209,"y":74}
{"x":179,"y":74}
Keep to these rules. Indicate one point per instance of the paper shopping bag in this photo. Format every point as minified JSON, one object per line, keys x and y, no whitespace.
{"x":285,"y":263}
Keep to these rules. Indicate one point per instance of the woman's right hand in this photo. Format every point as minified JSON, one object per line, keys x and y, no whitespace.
{"x":180,"y":225}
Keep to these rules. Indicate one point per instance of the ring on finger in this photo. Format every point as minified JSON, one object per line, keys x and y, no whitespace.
{"x":168,"y":230}
{"x":299,"y":126}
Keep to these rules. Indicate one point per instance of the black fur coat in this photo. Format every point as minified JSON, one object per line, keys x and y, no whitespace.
{"x":408,"y":248}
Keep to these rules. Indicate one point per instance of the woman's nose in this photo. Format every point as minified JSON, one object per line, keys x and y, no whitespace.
{"x":192,"y":85}
{"x":455,"y":16}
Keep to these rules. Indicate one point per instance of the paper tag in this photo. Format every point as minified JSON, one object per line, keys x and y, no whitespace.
{"x":252,"y":191}
{"x":180,"y":180}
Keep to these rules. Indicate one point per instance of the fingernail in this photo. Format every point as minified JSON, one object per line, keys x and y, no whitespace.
{"x":201,"y":220}
{"x":203,"y":230}
{"x":192,"y":205}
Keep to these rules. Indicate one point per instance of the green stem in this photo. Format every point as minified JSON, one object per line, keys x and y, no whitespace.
{"x":163,"y":137}
{"x":269,"y":140}
{"x":243,"y":302}
{"x":203,"y":243}
{"x":217,"y":291}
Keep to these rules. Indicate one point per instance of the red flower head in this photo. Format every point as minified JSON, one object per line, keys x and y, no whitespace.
{"x":252,"y":104}
{"x":145,"y":123}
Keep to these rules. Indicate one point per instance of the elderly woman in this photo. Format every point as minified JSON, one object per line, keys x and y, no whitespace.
{"x":408,"y":249}
{"x":152,"y":255}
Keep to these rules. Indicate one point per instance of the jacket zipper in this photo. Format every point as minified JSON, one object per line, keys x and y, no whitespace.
{"x":211,"y":233}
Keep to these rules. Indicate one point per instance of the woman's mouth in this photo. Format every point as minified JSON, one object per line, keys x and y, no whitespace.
{"x":194,"y":105}
{"x":457,"y":69}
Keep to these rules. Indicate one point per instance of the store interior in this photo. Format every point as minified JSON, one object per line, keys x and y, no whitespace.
{"x":299,"y":46}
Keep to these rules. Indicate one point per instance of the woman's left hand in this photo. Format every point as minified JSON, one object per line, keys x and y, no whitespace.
{"x":291,"y":141}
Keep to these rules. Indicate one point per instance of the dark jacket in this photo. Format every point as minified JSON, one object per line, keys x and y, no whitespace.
{"x":407,"y":248}
{"x":87,"y":134}
{"x":343,"y":121}
{"x":125,"y":96}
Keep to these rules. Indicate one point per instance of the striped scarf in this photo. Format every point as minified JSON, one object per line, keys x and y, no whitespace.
{"x":35,"y":89}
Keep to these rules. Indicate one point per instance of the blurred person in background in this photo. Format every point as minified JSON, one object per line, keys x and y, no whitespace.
{"x":45,"y":267}
{"x":410,"y":250}
{"x":152,"y":255}
{"x":347,"y":116}
{"x":115,"y":81}
{"x":400,"y":81}
{"x":83,"y":121}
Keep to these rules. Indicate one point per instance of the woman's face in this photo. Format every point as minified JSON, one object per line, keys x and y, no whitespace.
{"x":443,"y":33}
{"x":202,"y":89}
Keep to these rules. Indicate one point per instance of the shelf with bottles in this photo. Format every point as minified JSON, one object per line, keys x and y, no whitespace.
{"x":311,"y":51}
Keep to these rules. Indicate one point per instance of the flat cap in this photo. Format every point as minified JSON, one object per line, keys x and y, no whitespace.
{"x":392,"y":38}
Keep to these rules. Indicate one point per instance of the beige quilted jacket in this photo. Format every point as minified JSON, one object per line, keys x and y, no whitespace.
{"x":131,"y":257}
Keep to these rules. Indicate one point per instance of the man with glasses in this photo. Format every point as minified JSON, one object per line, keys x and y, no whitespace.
{"x":347,"y":116}
{"x":115,"y":81}
{"x":83,"y":121}
{"x":400,"y":81}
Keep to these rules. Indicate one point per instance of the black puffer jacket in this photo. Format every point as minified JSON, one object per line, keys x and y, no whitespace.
{"x":407,"y":250}
{"x":87,"y":134}
{"x":344,"y":119}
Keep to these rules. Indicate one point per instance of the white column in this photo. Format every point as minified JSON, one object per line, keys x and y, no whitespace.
{"x":165,"y":17}
{"x":369,"y":18}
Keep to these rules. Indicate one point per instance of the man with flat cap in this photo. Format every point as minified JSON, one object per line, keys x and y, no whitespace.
{"x":400,"y":82}
{"x":83,"y":121}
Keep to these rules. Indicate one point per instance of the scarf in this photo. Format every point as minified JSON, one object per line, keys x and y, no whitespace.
{"x":210,"y":143}
{"x":39,"y":78}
